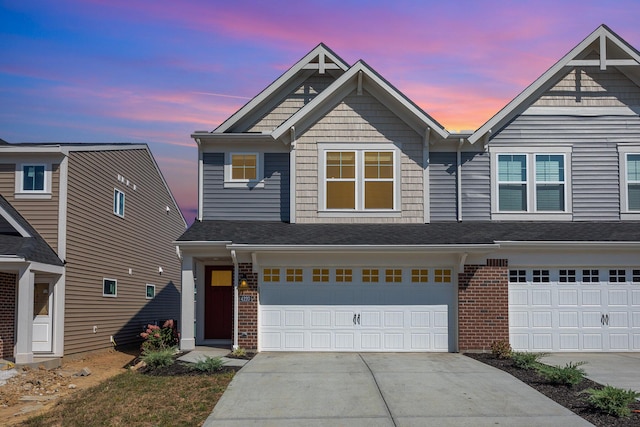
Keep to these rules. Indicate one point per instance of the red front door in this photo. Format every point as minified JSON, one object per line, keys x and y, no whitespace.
{"x":218,"y":305}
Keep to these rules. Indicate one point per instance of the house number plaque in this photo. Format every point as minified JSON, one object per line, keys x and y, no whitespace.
{"x":246,"y":298}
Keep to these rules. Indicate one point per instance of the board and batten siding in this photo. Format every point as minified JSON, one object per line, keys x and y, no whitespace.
{"x":476,"y":186}
{"x":268,"y":203}
{"x":288,"y":103}
{"x":130,"y":250}
{"x":443,"y":186}
{"x":359,"y":119}
{"x":594,"y":161}
{"x":42,"y":214}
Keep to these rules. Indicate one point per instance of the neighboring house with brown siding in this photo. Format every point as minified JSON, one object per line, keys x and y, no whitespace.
{"x":107,"y":212}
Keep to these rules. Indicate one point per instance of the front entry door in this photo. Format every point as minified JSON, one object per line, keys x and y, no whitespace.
{"x":42,"y":317}
{"x":218,"y":310}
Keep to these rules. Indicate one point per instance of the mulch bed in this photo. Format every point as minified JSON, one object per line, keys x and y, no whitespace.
{"x":571,"y":398}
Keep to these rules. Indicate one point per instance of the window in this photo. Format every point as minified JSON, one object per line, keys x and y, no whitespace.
{"x":550,"y":182}
{"x":33,"y":178}
{"x":118,"y":202}
{"x":320,"y":275}
{"x":633,"y":182}
{"x":617,"y":276}
{"x":419,"y":275}
{"x":512,"y":182}
{"x":244,"y":167}
{"x":590,"y":276}
{"x":151,"y":291}
{"x":109,"y":288}
{"x":270,"y":275}
{"x":344,"y":275}
{"x":517,"y":276}
{"x":635,"y":276}
{"x":370,"y":275}
{"x":294,"y":275}
{"x":442,"y":275}
{"x":540,"y":276}
{"x":360,"y":180}
{"x":567,"y":276}
{"x":393,"y":275}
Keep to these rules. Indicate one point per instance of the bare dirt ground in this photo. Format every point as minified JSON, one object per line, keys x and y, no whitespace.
{"x":34,"y":391}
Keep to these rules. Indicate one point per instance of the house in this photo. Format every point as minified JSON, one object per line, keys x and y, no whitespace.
{"x":336,"y":215}
{"x":86,"y":234}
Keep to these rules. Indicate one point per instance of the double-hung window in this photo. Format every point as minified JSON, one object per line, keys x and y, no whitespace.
{"x":360,"y":180}
{"x":33,"y":180}
{"x":633,"y":182}
{"x":33,"y":177}
{"x":243,"y":170}
{"x":512,"y":182}
{"x":550,"y":182}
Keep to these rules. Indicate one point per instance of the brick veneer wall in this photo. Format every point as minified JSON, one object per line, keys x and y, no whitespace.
{"x":248,"y":311}
{"x":7,"y":314}
{"x":483,"y":305}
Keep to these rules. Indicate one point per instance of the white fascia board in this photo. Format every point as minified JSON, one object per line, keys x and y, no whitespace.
{"x":30,"y":149}
{"x":568,"y":245}
{"x":480,"y":248}
{"x":208,"y":138}
{"x":349,"y":80}
{"x":12,"y":221}
{"x":196,"y":244}
{"x":66,"y":149}
{"x":507,"y":111}
{"x":279,"y":82}
{"x":46,"y":268}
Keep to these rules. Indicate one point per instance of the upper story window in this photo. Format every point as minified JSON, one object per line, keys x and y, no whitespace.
{"x":363,"y":180}
{"x":633,"y":182}
{"x":33,"y":180}
{"x":118,"y":202}
{"x":33,"y":177}
{"x":531,"y":184}
{"x":243,"y":169}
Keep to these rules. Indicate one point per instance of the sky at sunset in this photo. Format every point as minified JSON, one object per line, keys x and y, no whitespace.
{"x":154,"y":71}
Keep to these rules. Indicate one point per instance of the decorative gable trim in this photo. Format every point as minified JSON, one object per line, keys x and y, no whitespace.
{"x":321,"y":59}
{"x":603,"y":36}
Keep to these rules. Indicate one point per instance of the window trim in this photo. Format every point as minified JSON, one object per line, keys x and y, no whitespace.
{"x":229,"y":182}
{"x":359,"y":149}
{"x":147,"y":287}
{"x":531,"y":213}
{"x":21,"y":193}
{"x":623,"y":153}
{"x":116,"y":202}
{"x":115,"y":282}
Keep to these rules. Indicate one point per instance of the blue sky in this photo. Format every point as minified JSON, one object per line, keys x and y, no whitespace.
{"x":154,"y":71}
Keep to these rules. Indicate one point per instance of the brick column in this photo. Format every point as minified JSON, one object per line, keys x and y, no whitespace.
{"x":483,"y":305}
{"x":248,"y":311}
{"x":7,"y":314}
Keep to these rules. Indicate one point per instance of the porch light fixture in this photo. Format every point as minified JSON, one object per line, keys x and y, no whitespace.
{"x":243,"y":281}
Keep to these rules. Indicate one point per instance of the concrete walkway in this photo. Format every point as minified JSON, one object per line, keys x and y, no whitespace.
{"x":381,"y":389}
{"x":202,"y":352}
{"x":617,"y":369}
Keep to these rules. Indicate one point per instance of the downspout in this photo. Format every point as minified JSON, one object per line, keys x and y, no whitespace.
{"x":459,"y":178}
{"x":235,"y":299}
{"x":292,"y":177}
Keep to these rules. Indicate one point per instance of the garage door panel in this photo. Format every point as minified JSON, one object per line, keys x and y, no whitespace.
{"x":592,"y":319}
{"x":618,"y":319}
{"x":394,"y":319}
{"x":542,"y":342}
{"x":592,"y":342}
{"x":569,"y":342}
{"x":345,"y":340}
{"x":518,"y":297}
{"x":591,"y":297}
{"x":540,"y":297}
{"x":440,"y":319}
{"x":394,"y":341}
{"x":294,"y":318}
{"x":371,"y":340}
{"x":635,"y":297}
{"x":568,"y":297}
{"x":271,"y":340}
{"x":441,"y":342}
{"x":294,"y":341}
{"x":618,"y":297}
{"x":568,"y":319}
{"x":420,"y":319}
{"x":370,"y":319}
{"x":345,"y":318}
{"x":636,"y":341}
{"x":541,"y":319}
{"x":271,"y":318}
{"x":320,"y":318}
{"x":320,"y":341}
{"x":618,"y":342}
{"x":519,"y":319}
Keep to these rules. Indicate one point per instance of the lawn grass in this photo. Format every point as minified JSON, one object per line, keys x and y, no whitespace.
{"x":135,"y":399}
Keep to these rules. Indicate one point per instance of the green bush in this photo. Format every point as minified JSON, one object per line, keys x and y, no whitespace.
{"x":612,"y":400}
{"x":158,"y":358}
{"x":160,"y":338}
{"x":501,"y":349}
{"x":239,"y":352}
{"x":526,"y":360}
{"x":209,"y":364}
{"x":569,"y":375}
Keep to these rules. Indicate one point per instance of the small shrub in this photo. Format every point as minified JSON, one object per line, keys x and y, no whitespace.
{"x":239,"y":352}
{"x":526,"y":360}
{"x":157,"y":338}
{"x":501,"y":349}
{"x":158,"y":358}
{"x":569,"y":375}
{"x":209,"y":364}
{"x":612,"y":400}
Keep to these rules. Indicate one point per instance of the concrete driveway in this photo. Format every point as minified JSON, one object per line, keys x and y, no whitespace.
{"x":381,"y":389}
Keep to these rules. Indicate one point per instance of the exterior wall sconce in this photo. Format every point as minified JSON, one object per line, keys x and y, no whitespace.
{"x":243,"y":281}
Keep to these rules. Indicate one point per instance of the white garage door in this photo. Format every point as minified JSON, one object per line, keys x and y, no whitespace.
{"x":354,"y":315}
{"x":574,"y":309}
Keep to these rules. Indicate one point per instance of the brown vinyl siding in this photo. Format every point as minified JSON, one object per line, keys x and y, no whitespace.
{"x":360,"y":118}
{"x":101,"y":245}
{"x":42,"y":214}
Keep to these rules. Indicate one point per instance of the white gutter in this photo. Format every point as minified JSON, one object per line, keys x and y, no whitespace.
{"x":568,"y":244}
{"x":479,"y":248}
{"x":235,"y":299}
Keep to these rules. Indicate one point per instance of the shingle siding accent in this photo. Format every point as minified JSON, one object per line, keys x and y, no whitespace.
{"x":442,"y":188}
{"x":359,"y":119}
{"x":270,"y":203}
{"x":8,"y":285}
{"x":483,"y":305}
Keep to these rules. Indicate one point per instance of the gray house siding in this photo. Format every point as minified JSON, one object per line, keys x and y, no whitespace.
{"x":476,"y":186}
{"x":442,"y":186}
{"x":270,"y":203}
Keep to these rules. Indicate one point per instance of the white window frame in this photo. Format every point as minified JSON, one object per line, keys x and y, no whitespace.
{"x":359,"y":150}
{"x":21,"y":193}
{"x":146,"y":291}
{"x":117,"y":205}
{"x":104,"y":279}
{"x":229,"y":182}
{"x":531,"y":213}
{"x":624,"y":152}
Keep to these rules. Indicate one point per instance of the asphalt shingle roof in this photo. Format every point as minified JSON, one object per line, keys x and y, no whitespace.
{"x":442,"y":233}
{"x":33,"y":248}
